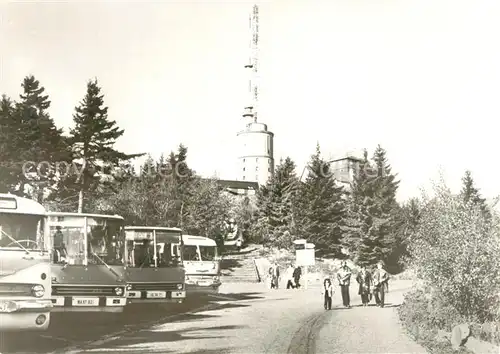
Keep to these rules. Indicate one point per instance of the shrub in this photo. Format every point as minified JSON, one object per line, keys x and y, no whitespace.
{"x":455,"y":250}
{"x":423,"y":315}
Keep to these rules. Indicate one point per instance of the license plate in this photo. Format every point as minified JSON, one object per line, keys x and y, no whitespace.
{"x":156,"y":294}
{"x":178,"y":294}
{"x":204,"y":283}
{"x":85,"y":301}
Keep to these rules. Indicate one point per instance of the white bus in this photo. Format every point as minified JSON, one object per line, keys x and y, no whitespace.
{"x":25,"y":274}
{"x":202,"y":265}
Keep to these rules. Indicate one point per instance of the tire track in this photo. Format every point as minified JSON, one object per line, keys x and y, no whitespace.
{"x":303,"y":341}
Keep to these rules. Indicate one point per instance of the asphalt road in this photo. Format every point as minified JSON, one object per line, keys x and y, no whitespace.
{"x":245,"y":319}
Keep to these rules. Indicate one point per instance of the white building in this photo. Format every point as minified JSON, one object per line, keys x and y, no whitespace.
{"x":256,"y":161}
{"x":256,"y":155}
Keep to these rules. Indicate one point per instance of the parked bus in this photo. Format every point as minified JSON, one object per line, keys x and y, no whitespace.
{"x":25,"y":279}
{"x":86,"y":249}
{"x":154,"y":270}
{"x":202,"y":265}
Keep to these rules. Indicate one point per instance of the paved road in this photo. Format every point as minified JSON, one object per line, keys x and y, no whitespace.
{"x":250,"y":319}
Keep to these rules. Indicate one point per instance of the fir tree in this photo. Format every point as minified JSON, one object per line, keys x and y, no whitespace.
{"x":472,"y":196}
{"x":371,"y":234}
{"x":92,"y":141}
{"x":39,"y":141}
{"x":322,"y":207}
{"x":9,"y":139}
{"x":276,"y":203}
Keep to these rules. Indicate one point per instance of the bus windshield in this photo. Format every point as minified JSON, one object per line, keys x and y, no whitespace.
{"x":18,"y":231}
{"x":153,"y":248}
{"x":208,"y":253}
{"x":103,"y":241}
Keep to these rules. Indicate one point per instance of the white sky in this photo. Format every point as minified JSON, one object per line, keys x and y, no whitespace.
{"x":420,"y":77}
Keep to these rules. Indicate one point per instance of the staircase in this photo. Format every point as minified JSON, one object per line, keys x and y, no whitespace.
{"x":239,"y":267}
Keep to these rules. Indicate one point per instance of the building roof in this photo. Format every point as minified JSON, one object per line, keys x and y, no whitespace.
{"x":348,"y":157}
{"x":238,"y":184}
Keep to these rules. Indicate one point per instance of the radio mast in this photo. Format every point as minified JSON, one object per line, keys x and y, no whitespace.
{"x":251,"y":109}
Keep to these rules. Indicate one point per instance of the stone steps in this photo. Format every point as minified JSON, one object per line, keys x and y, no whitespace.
{"x":240,"y":267}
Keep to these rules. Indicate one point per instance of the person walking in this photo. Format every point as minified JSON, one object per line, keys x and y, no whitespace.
{"x":297,"y":273}
{"x":344,"y":279}
{"x":275,"y":275}
{"x":364,"y":280}
{"x":327,"y":293}
{"x":290,"y":284}
{"x":380,"y":284}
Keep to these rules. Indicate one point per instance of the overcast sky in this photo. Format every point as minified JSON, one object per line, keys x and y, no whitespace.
{"x":420,"y":77}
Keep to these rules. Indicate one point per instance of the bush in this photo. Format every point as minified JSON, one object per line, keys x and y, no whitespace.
{"x":423,"y":316}
{"x":455,"y":251}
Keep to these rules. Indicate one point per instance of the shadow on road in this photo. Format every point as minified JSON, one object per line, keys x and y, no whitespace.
{"x":148,"y":339}
{"x":82,"y":329}
{"x":228,"y":265}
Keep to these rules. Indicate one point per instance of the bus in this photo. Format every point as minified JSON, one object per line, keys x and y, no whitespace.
{"x":85,"y":251}
{"x":25,"y":278}
{"x":154,"y":271}
{"x":202,"y":265}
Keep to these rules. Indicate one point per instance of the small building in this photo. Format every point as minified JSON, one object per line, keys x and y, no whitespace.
{"x":241,"y":188}
{"x":344,"y":169}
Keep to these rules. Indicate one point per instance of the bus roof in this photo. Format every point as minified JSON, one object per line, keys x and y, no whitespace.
{"x":151,"y":228}
{"x":102,"y":216}
{"x":13,"y":204}
{"x":191,"y":240}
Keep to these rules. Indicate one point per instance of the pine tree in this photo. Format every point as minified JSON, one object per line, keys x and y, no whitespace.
{"x":40,"y":141}
{"x":322,"y":207}
{"x":9,"y":139}
{"x":372,"y":229}
{"x":471,"y":194}
{"x":207,"y":209}
{"x":179,"y":180}
{"x":359,"y":200}
{"x":276,"y":203}
{"x":92,"y":141}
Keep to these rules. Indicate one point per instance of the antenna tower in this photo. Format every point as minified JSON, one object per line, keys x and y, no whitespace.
{"x":252,"y":66}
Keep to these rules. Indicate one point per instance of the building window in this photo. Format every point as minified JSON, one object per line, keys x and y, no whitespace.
{"x":269,"y":169}
{"x":243,"y":177}
{"x":257,"y":168}
{"x":257,"y":159}
{"x":256,"y":177}
{"x":243,"y":168}
{"x":243,"y":160}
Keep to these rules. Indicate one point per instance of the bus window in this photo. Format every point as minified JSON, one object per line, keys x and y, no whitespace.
{"x":208,"y":253}
{"x":22,"y":228}
{"x":69,"y":245}
{"x":105,"y":241}
{"x":190,"y":253}
{"x":141,"y":251}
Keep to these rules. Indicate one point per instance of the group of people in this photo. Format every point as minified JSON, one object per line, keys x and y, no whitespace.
{"x":292,"y":276}
{"x":369,"y":284}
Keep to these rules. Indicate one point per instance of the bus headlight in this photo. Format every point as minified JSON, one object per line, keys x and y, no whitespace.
{"x":180,"y":286}
{"x":118,"y":291}
{"x":129,"y":287}
{"x":8,"y":306}
{"x":216,"y":278}
{"x":38,"y":290}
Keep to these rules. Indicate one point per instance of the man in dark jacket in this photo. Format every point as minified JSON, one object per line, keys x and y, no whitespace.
{"x":297,"y":273}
